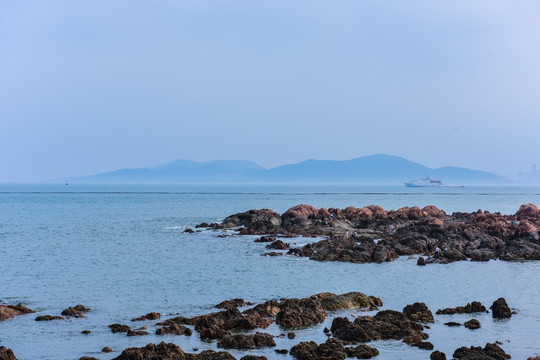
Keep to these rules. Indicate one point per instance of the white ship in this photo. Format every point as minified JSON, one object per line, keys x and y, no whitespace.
{"x":425,"y":181}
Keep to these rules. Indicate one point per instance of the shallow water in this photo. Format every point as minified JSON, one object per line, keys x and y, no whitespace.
{"x":121,"y":251}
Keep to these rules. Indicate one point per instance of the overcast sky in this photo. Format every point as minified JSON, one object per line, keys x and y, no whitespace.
{"x":90,"y":86}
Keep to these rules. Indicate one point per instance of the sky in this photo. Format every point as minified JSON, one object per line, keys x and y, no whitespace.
{"x":90,"y":86}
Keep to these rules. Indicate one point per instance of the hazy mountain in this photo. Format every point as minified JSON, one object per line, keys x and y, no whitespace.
{"x":374,"y":169}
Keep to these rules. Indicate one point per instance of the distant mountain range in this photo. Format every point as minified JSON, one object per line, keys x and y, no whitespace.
{"x":373,"y":169}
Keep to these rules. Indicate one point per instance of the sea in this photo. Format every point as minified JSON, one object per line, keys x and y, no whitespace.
{"x":121,"y":250}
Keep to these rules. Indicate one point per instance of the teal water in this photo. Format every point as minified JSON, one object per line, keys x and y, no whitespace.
{"x":121,"y":251}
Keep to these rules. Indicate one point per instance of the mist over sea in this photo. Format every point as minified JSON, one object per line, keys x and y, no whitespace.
{"x":121,"y":250}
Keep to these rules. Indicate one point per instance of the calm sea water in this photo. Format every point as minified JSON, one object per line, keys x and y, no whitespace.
{"x":121,"y":251}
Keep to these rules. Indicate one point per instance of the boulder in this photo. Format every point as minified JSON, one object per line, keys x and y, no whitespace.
{"x":242,"y":341}
{"x":332,"y":349}
{"x":149,"y":316}
{"x":278,"y":245}
{"x":106,"y":349}
{"x":472,"y":307}
{"x":351,"y":300}
{"x":253,"y":357}
{"x":361,"y":351}
{"x":6,"y":354}
{"x":418,"y":312}
{"x":75,"y":311}
{"x":500,"y":309}
{"x":117,"y":328}
{"x":48,"y":318}
{"x":472,"y":324}
{"x":151,"y":351}
{"x":421,"y":261}
{"x":175,"y":329}
{"x":9,"y":311}
{"x":489,"y":352}
{"x":452,"y":324}
{"x":437,"y":355}
{"x":300,"y":313}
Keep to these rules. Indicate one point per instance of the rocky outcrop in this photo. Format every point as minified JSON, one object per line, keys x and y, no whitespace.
{"x":472,"y":307}
{"x":119,"y":328}
{"x":278,"y":245}
{"x":332,"y":349}
{"x":229,"y":304}
{"x":75,"y":311}
{"x":300,"y":313}
{"x":500,"y":309}
{"x":216,"y":325}
{"x":437,"y":355}
{"x":472,"y":324}
{"x":149,"y":316}
{"x":443,"y":238}
{"x":489,"y":352}
{"x":386,"y":324}
{"x":9,"y":311}
{"x":48,"y":318}
{"x":418,"y":312}
{"x":6,"y":354}
{"x":242,"y":341}
{"x":351,"y":300}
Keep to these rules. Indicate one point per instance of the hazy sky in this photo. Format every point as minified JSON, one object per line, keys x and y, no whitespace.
{"x":90,"y":86}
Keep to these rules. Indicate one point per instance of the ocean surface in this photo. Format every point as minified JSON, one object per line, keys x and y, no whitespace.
{"x":121,"y":251}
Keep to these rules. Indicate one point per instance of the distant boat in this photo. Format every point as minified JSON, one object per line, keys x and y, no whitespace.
{"x":425,"y":181}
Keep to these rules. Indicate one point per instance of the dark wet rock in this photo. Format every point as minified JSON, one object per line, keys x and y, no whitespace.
{"x":86,"y":332}
{"x":489,"y":352}
{"x":233,"y":303}
{"x":472,"y":324}
{"x":255,"y":222}
{"x":189,"y":231}
{"x":136,"y":332}
{"x":9,"y":311}
{"x":210,"y":355}
{"x":149,"y":316}
{"x":75,"y":311}
{"x":216,"y":325}
{"x":269,"y":308}
{"x":361,"y":351}
{"x":48,"y":317}
{"x":291,"y":335}
{"x":88,"y":358}
{"x":534,"y":357}
{"x":6,"y":354}
{"x":175,"y":329}
{"x":264,"y":239}
{"x":472,"y":307}
{"x":282,"y":351}
{"x":386,"y":324}
{"x":272,"y":253}
{"x":424,"y":345}
{"x":117,"y":328}
{"x":437,"y":355}
{"x":332,"y":349}
{"x":151,"y":352}
{"x":253,"y":357}
{"x":500,"y":309}
{"x":242,"y":341}
{"x":106,"y":349}
{"x":452,"y":324}
{"x":415,"y":338}
{"x":418,"y":312}
{"x":351,"y":300}
{"x":300,"y":313}
{"x":278,"y":245}
{"x":421,"y":261}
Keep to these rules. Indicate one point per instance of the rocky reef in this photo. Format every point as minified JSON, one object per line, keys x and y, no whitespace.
{"x":372,"y":234}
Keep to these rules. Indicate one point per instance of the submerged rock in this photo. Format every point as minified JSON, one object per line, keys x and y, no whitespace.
{"x":48,"y":318}
{"x":242,"y":341}
{"x":472,"y":307}
{"x":75,"y":311}
{"x":472,"y":324}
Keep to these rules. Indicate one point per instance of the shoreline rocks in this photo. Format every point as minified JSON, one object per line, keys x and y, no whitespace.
{"x":351,"y":233}
{"x":9,"y":311}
